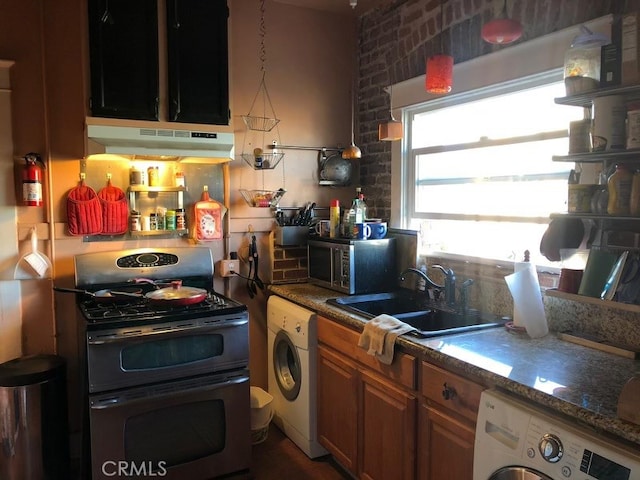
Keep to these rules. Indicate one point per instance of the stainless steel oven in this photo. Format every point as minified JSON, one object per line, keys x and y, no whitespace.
{"x":167,"y":385}
{"x":185,"y":429}
{"x":139,"y":354}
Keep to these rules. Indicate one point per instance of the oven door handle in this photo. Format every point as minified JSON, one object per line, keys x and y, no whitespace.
{"x":169,"y":332}
{"x":120,"y":401}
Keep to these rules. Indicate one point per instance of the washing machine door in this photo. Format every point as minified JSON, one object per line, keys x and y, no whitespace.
{"x":286,"y":366}
{"x":518,"y":473}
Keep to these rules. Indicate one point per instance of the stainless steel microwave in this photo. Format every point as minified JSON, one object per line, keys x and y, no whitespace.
{"x":353,"y":266}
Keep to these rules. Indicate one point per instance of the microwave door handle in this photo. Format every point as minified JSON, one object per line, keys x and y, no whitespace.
{"x":119,"y":401}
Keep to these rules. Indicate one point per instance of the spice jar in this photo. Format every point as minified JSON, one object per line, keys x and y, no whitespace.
{"x":153,"y":174}
{"x":181,"y":221}
{"x":153,"y":221}
{"x":180,"y":179}
{"x":170,"y":220}
{"x":134,"y":221}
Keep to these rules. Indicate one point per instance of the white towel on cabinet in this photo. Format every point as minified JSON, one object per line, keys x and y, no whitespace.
{"x":379,"y":336}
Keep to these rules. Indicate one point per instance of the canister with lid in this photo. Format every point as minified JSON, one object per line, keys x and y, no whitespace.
{"x":170,"y":220}
{"x":153,"y":174}
{"x":582,"y":61}
{"x":619,"y":187}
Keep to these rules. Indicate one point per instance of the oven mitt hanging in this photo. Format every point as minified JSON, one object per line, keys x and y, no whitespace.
{"x":84,"y":212}
{"x":115,"y":210}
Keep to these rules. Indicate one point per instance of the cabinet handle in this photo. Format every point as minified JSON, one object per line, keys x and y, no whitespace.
{"x":448,"y":392}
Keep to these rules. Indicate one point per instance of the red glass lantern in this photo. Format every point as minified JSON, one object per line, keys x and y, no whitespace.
{"x":501,"y":31}
{"x":439,"y":78}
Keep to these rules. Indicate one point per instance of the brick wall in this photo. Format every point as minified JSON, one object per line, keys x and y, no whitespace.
{"x":395,"y":40}
{"x":289,"y":263}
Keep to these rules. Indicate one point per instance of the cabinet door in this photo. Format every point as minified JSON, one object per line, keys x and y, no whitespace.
{"x":198,"y":61}
{"x":123,"y":45}
{"x":388,"y":417}
{"x":337,"y":407}
{"x":445,"y":445}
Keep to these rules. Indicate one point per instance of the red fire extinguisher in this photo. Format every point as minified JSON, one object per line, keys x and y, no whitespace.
{"x":32,"y":180}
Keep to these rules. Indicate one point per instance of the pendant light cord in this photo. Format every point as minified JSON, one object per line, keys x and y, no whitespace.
{"x":441,"y":27}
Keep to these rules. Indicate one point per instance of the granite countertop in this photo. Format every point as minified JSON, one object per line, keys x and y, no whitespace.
{"x":577,"y":381}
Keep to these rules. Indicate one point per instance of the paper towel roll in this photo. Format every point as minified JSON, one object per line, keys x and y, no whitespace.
{"x":527,"y":299}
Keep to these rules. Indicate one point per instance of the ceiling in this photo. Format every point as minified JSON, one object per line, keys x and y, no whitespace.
{"x":336,"y":6}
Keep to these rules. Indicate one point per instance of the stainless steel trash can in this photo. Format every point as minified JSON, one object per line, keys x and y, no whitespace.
{"x":34,"y":439}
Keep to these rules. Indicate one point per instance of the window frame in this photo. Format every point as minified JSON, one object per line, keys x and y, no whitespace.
{"x":501,"y":71}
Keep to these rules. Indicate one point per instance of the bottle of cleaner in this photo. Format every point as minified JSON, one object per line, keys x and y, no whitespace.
{"x":361,"y":203}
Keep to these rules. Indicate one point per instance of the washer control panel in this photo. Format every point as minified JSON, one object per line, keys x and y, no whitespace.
{"x":511,"y":432}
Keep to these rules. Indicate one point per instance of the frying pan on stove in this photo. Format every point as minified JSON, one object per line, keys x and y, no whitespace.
{"x":121,"y":295}
{"x":176,"y":295}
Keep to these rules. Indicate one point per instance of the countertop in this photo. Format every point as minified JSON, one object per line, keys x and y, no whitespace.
{"x":579,"y":382}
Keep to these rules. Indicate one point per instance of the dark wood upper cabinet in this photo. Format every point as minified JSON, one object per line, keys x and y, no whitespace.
{"x":123,"y":48}
{"x":198,"y":61}
{"x":124,"y":60}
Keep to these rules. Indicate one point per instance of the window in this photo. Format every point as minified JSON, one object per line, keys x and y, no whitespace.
{"x":474,"y":172}
{"x":483,"y":179}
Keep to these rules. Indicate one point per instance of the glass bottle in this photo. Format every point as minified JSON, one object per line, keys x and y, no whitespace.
{"x":619,"y":187}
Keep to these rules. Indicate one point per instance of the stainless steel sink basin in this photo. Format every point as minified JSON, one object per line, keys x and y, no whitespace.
{"x":415,"y":309}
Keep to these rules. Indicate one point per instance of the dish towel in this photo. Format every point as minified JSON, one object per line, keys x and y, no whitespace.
{"x":379,"y":336}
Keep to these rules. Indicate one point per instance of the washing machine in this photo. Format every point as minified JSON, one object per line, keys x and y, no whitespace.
{"x":292,"y":356}
{"x":518,"y":441}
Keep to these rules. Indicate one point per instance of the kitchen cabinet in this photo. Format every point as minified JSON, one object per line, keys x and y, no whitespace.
{"x":446,"y":424}
{"x":367,"y":411}
{"x":123,"y":52}
{"x":125,"y":61}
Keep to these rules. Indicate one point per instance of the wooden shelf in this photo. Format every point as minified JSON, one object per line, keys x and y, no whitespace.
{"x":627,"y":307}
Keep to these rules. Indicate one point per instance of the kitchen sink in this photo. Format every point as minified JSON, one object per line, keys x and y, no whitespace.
{"x":414,"y":308}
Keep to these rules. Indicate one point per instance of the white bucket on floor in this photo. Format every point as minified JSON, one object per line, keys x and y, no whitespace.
{"x":261,"y":414}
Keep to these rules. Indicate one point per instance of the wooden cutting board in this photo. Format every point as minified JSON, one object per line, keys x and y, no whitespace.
{"x":629,"y":400}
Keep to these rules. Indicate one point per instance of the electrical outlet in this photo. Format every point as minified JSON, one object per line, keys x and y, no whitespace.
{"x":227,"y":267}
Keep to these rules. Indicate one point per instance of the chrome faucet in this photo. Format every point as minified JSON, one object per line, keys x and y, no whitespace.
{"x":449,"y":285}
{"x":423,"y":275}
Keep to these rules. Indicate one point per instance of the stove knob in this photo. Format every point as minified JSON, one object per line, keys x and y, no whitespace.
{"x":551,"y":448}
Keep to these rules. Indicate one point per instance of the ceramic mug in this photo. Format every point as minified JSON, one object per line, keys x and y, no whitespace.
{"x":363,"y":231}
{"x":378,"y":229}
{"x":322,"y":228}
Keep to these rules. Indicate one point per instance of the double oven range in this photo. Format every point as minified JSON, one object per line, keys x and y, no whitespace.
{"x":167,"y":383}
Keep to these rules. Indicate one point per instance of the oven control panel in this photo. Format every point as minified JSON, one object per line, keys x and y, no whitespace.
{"x":147,"y":259}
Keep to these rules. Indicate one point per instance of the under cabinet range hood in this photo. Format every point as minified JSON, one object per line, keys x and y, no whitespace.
{"x":184,"y":145}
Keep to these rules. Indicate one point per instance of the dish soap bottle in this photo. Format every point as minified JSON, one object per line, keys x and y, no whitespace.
{"x":361,"y":204}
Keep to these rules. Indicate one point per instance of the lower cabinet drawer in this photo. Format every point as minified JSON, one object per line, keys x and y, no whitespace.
{"x":450,"y":390}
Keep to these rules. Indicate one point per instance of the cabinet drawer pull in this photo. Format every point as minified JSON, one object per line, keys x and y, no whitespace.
{"x":448,"y":392}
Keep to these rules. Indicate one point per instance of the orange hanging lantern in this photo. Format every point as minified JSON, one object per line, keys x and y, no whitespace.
{"x":439,"y":78}
{"x":439,"y":68}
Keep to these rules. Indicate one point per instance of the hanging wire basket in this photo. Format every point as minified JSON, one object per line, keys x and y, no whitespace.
{"x":262,"y":198}
{"x":269,"y":160}
{"x":260,"y":124}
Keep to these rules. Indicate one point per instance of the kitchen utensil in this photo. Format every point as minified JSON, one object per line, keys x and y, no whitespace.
{"x":256,"y":279}
{"x":39,"y":262}
{"x":561,"y":233}
{"x":176,"y":295}
{"x":106,"y":295}
{"x":629,"y":399}
{"x":611,"y":284}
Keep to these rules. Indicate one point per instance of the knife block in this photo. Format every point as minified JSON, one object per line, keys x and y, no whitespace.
{"x":291,"y":235}
{"x":629,"y":401}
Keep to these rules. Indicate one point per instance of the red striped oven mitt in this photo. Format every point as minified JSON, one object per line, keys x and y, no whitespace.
{"x":115,"y":210}
{"x":84,"y":212}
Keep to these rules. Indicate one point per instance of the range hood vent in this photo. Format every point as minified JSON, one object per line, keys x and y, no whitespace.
{"x":170,"y":144}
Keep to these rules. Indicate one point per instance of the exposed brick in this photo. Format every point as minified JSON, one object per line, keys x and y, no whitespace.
{"x":277,"y":275}
{"x":295,"y":252}
{"x":396,"y":40}
{"x":296,"y":274}
{"x":285,"y":264}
